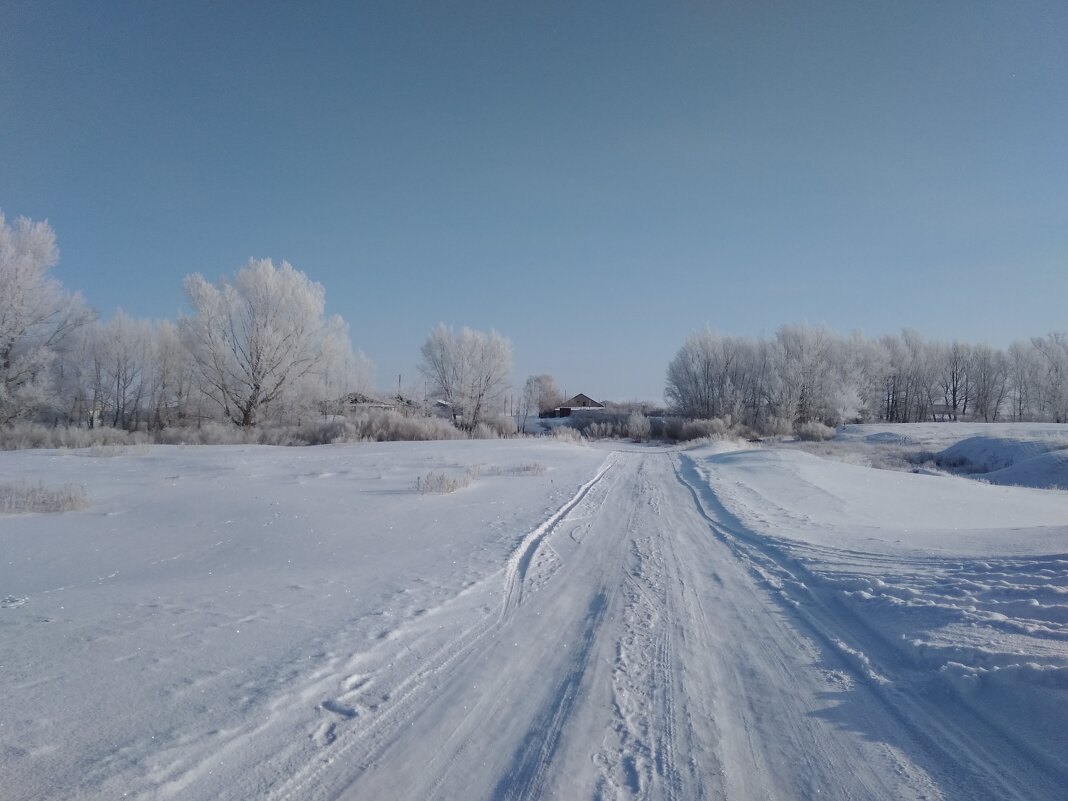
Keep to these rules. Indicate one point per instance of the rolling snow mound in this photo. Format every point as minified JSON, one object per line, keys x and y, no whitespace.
{"x":1039,"y":463}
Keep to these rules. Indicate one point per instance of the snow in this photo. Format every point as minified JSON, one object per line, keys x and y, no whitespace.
{"x":631,"y":622}
{"x":173,"y":631}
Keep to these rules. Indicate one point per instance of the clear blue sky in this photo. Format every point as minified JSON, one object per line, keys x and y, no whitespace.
{"x":593,"y":180}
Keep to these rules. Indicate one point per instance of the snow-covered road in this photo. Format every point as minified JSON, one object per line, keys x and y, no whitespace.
{"x":641,"y":645}
{"x":676,"y":625}
{"x":628,"y":653}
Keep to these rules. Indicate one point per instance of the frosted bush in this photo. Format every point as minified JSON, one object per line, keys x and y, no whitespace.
{"x":815,"y":432}
{"x":530,"y":469}
{"x":703,"y":429}
{"x":679,"y":430}
{"x":568,"y":434}
{"x":442,"y":483}
{"x":370,"y":426}
{"x":638,"y":427}
{"x":602,"y":430}
{"x":777,"y":427}
{"x":23,"y":497}
{"x":483,"y":431}
{"x":388,"y":426}
{"x":34,"y":435}
{"x":373,"y":425}
{"x":328,"y":432}
{"x":206,"y":433}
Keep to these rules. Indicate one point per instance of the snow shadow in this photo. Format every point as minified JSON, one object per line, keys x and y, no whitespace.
{"x":526,"y":774}
{"x":913,"y":710}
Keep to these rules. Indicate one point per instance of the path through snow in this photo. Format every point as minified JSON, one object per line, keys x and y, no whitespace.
{"x":673,"y":630}
{"x":646,"y":645}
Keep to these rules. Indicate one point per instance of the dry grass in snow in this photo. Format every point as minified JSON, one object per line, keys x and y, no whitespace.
{"x":22,"y":497}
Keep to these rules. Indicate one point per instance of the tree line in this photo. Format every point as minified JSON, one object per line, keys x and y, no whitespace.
{"x":808,"y":374}
{"x":258,"y":347}
{"x":254,"y":348}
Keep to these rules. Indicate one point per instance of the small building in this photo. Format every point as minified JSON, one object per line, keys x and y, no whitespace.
{"x":579,"y":402}
{"x":358,"y":400}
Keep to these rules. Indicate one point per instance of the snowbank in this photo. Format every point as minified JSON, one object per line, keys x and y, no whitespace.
{"x":945,"y":584}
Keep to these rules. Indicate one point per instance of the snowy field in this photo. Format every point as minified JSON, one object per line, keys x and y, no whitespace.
{"x":604,"y":622}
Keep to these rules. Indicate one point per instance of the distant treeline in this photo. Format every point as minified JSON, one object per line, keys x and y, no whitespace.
{"x":259,"y":348}
{"x":806,"y":374}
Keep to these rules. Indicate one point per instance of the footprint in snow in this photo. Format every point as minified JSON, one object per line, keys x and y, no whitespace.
{"x":338,"y":708}
{"x":326,"y":732}
{"x":12,"y":602}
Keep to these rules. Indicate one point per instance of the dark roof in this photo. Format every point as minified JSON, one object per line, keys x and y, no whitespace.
{"x":581,"y":401}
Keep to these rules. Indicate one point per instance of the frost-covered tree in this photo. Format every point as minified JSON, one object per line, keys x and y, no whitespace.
{"x":340,"y":371}
{"x":806,"y":371}
{"x":546,"y":394}
{"x":540,"y":394}
{"x":728,"y":378}
{"x":528,"y":404}
{"x":257,"y":339}
{"x":36,"y":316}
{"x":172,"y":388}
{"x":1052,"y":374}
{"x":910,"y":381}
{"x":812,"y":375}
{"x":699,"y":382}
{"x":467,"y":370}
{"x":953,"y":369}
{"x":125,"y":351}
{"x":990,"y":382}
{"x":1024,"y":374}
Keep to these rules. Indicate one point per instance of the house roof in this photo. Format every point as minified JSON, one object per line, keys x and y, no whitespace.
{"x":581,"y":401}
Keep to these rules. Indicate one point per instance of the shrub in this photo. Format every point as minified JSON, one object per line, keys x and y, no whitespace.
{"x":34,"y":435}
{"x":529,"y":469}
{"x":328,"y":432}
{"x":679,"y":430}
{"x":602,"y":430}
{"x":389,"y":426}
{"x":206,"y":433}
{"x":568,"y":434}
{"x":25,"y":497}
{"x":378,"y":425}
{"x":815,"y":432}
{"x":638,"y":427}
{"x":777,"y":427}
{"x":483,"y":431}
{"x":443,"y":483}
{"x":703,"y":429}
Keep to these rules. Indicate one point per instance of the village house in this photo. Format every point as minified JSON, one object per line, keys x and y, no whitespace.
{"x":579,"y":402}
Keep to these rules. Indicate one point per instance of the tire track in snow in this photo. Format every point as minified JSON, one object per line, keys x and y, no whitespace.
{"x":758,"y":722}
{"x":627,"y":766}
{"x":638,"y":758}
{"x":521,"y":558}
{"x":525,"y":778}
{"x":350,"y":750}
{"x":522,"y":579}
